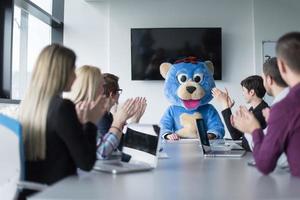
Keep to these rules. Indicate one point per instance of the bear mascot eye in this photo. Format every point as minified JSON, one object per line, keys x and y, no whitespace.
{"x":198,"y":78}
{"x":182,"y":78}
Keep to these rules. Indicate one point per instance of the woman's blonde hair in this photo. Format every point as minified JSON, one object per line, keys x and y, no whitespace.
{"x":49,"y":78}
{"x":86,"y":84}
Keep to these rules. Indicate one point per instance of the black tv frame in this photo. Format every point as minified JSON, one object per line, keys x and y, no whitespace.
{"x":218,"y":49}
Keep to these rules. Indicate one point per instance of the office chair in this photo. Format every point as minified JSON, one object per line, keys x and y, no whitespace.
{"x":12,"y":160}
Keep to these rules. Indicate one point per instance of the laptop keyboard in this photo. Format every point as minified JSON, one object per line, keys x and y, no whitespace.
{"x":119,"y":164}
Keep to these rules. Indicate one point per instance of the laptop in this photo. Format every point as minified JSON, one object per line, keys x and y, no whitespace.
{"x":141,"y":150}
{"x":206,"y":148}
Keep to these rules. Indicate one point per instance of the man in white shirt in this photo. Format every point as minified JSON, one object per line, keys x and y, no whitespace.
{"x":277,"y":88}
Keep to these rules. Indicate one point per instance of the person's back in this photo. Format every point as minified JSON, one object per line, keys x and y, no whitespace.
{"x":284,"y":127}
{"x":63,"y":159}
{"x":55,"y":141}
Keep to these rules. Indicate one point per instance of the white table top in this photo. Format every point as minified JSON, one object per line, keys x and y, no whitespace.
{"x":186,"y":174}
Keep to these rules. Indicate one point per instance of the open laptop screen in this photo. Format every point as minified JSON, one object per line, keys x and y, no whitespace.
{"x":203,"y":135}
{"x":202,"y":132}
{"x":141,"y":141}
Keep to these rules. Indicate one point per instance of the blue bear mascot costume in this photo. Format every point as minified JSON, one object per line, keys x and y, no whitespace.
{"x":188,"y":85}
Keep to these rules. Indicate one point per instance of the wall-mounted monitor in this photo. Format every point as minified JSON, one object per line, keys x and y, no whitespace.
{"x":152,"y":46}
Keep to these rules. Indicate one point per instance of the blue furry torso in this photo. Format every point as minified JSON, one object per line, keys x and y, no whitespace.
{"x":170,"y":122}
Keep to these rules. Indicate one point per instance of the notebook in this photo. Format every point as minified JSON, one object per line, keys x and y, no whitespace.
{"x":141,"y":145}
{"x":206,"y":148}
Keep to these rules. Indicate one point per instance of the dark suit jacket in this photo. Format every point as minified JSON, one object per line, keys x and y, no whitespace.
{"x":69,"y":145}
{"x":236,"y":134}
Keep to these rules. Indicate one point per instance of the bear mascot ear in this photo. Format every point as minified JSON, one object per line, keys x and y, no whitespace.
{"x":164,"y":68}
{"x":210,"y":66}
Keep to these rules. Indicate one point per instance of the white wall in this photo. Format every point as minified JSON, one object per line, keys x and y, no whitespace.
{"x":272,"y":19}
{"x":86,"y":31}
{"x":100,"y":34}
{"x":234,"y":16}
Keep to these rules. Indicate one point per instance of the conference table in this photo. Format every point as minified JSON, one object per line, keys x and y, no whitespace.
{"x":185,"y":174}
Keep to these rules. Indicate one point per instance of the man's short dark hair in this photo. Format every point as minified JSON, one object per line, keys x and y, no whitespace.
{"x":288,"y":48}
{"x":255,"y":83}
{"x":111,"y":84}
{"x":270,"y":68}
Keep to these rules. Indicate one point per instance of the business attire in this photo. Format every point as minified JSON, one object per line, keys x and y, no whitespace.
{"x":283,"y":135}
{"x":277,"y":98}
{"x":69,"y":145}
{"x":282,"y":161}
{"x":235,"y":133}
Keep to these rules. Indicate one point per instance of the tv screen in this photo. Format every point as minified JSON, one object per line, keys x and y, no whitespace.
{"x":152,"y":46}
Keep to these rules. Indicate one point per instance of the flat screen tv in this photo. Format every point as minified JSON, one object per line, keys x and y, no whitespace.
{"x":152,"y":46}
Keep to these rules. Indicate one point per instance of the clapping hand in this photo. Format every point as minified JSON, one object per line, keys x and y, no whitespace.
{"x":141,"y":104}
{"x":223,"y":98}
{"x":244,"y":120}
{"x":124,"y":112}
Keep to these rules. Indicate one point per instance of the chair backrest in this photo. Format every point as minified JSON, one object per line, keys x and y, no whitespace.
{"x":11,"y":156}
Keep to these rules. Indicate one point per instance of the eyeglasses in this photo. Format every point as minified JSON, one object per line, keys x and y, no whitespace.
{"x":119,"y":91}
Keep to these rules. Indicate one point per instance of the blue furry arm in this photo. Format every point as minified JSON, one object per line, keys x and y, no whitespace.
{"x":214,"y":122}
{"x":167,"y":123}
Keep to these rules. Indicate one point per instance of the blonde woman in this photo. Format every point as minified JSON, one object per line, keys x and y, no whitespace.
{"x":56,"y":143}
{"x":88,"y":85}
